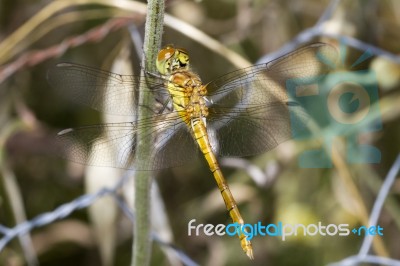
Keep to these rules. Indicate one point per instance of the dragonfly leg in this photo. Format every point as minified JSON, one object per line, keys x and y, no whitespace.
{"x":165,"y":106}
{"x":157,"y":75}
{"x":149,"y":108}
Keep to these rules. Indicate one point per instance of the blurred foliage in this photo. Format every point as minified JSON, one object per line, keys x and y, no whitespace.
{"x":31,"y":113}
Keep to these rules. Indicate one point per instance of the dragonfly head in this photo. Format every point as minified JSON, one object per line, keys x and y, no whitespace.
{"x":170,"y":59}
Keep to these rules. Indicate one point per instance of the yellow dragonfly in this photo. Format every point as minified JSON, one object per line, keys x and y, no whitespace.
{"x":242,"y":113}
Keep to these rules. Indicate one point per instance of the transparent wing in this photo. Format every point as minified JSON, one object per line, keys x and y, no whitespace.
{"x":114,"y":145}
{"x":250,"y":112}
{"x":251,"y":109}
{"x":101,"y":90}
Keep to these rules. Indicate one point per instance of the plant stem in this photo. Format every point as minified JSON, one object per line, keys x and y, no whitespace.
{"x":142,"y":227}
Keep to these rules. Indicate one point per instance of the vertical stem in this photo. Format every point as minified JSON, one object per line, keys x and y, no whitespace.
{"x":142,"y":226}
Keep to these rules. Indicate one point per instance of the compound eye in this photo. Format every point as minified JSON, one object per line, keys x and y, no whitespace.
{"x":165,"y":53}
{"x":164,"y":58}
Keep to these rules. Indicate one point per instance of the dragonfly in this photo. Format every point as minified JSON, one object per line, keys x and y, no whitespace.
{"x":242,"y":113}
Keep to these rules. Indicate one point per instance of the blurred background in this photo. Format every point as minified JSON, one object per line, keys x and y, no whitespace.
{"x":272,"y":187}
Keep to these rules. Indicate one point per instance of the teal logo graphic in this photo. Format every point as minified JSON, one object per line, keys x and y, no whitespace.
{"x":344,"y":105}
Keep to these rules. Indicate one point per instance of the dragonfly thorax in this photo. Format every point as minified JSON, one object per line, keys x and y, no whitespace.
{"x":185,"y":87}
{"x":188,"y":95}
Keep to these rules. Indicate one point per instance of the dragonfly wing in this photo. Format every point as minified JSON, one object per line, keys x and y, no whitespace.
{"x":109,"y":145}
{"x":101,"y":90}
{"x":114,"y":144}
{"x":254,"y":130}
{"x":251,"y":109}
{"x":309,"y":61}
{"x":175,"y":146}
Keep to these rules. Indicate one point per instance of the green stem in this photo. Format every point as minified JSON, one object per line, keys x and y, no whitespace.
{"x":142,"y":227}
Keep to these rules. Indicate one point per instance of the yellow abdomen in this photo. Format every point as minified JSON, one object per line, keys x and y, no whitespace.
{"x":188,"y":96}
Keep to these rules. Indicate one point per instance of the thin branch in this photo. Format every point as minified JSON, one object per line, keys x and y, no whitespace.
{"x":35,"y":57}
{"x":376,"y":210}
{"x":143,"y":179}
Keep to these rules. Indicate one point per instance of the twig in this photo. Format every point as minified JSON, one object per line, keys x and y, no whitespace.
{"x":82,"y":202}
{"x":17,"y":207}
{"x":33,"y":58}
{"x":376,"y":210}
{"x":143,"y":179}
{"x":362,"y":255}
